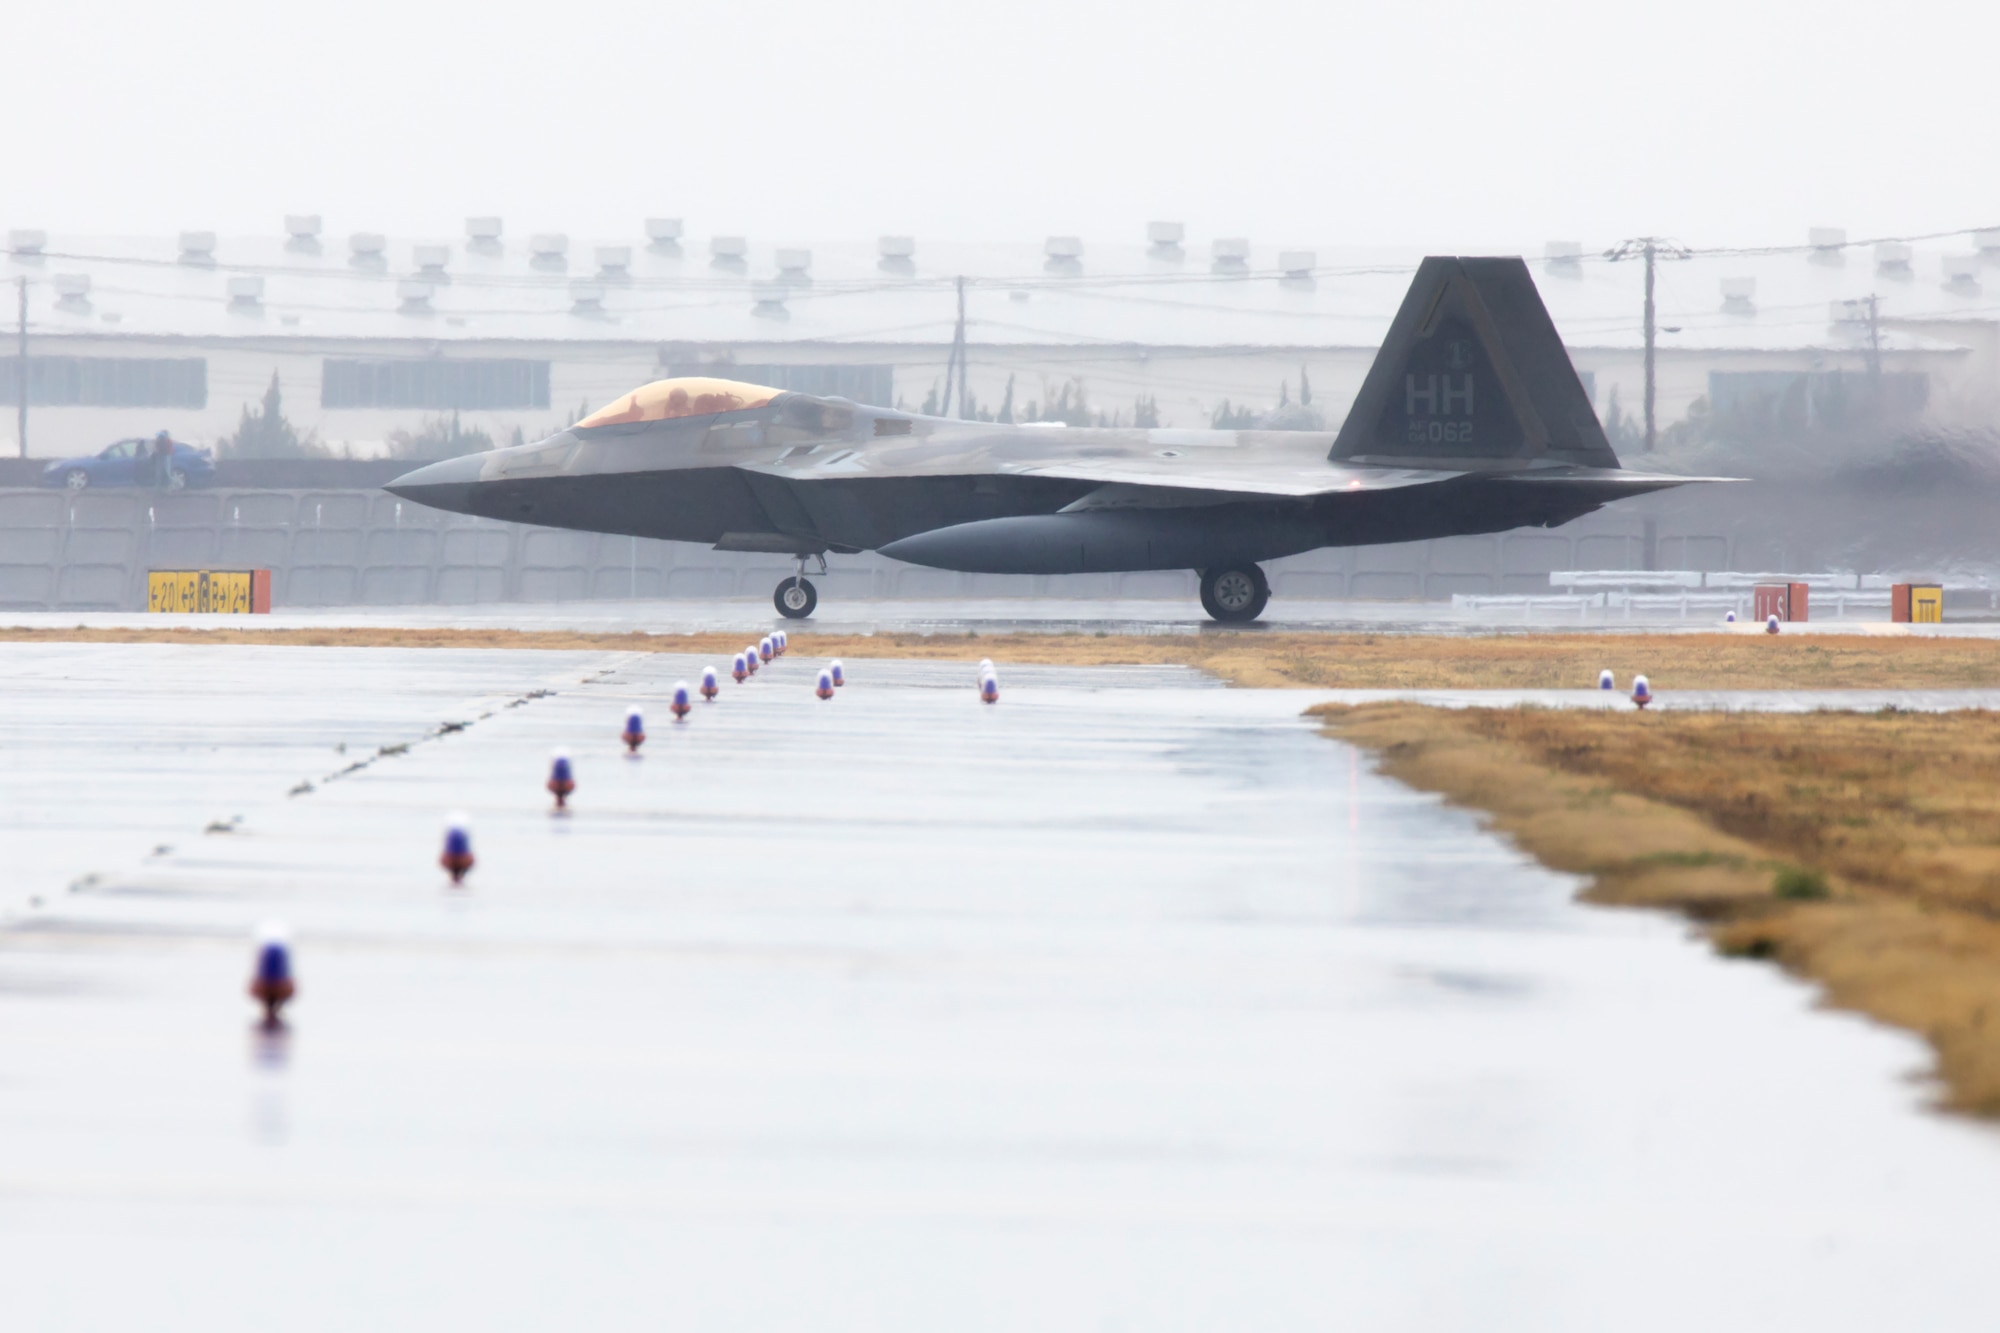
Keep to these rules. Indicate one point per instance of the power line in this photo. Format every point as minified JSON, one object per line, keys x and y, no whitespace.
{"x":555,"y":281}
{"x":708,"y":293}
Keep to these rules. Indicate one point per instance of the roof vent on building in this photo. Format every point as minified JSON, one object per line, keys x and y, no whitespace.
{"x":663,"y":236}
{"x":587,"y":299}
{"x":246,"y":294}
{"x":729,"y":253}
{"x":1847,"y":315}
{"x":1892,"y":259}
{"x":770,"y":301}
{"x":1828,"y":244}
{"x":482,"y":236}
{"x":1297,"y":267}
{"x":365,"y":249}
{"x":1063,"y":254}
{"x":430,"y":261}
{"x":548,"y":250}
{"x":614,"y":263}
{"x":1988,"y":245}
{"x":1739,"y":296}
{"x":1563,"y":258}
{"x":26,"y":242}
{"x":413,"y":296}
{"x":896,"y":254}
{"x":197,"y":247}
{"x":1163,"y":241}
{"x":73,"y":292}
{"x":1961,"y":274}
{"x":1230,"y":254}
{"x":795,"y":267}
{"x":302,"y":233}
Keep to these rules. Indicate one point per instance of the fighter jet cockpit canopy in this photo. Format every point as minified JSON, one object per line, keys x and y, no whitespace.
{"x":733,"y":414}
{"x":683,"y":396}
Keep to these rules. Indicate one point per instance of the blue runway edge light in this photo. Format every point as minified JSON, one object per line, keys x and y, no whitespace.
{"x":271,"y":984}
{"x":682,"y":701}
{"x":709,"y":689}
{"x":457,"y":855}
{"x":561,"y":780}
{"x":634,"y":734}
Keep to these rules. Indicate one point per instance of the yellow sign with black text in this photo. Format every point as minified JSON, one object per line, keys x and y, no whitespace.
{"x":185,"y":591}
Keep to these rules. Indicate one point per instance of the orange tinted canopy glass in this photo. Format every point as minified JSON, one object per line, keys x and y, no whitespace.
{"x":689,"y":396}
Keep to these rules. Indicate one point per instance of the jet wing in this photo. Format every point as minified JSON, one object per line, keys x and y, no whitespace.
{"x":1150,"y":483}
{"x":1221,"y":480}
{"x":1609,"y":480}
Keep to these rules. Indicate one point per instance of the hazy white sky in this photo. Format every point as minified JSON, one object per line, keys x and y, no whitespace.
{"x":1437,"y":124}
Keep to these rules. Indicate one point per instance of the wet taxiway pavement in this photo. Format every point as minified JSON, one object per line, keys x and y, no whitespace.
{"x":997,"y":615}
{"x":1129,"y":1002}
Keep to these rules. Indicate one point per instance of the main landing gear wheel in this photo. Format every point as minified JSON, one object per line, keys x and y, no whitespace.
{"x":1236,"y":594}
{"x":796,"y":598}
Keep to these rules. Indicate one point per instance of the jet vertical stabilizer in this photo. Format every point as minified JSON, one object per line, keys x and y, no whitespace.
{"x":1472,"y":369}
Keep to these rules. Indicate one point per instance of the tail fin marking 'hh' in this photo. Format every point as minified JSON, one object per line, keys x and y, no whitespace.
{"x":1473,"y":369}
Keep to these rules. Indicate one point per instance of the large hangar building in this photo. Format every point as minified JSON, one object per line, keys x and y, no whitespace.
{"x":384,"y":347}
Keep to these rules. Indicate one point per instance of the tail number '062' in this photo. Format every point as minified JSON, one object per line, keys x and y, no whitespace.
{"x":1440,"y":432}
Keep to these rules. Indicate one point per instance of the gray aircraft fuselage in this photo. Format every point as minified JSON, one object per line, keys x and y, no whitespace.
{"x":1470,"y":420}
{"x":693,"y":481}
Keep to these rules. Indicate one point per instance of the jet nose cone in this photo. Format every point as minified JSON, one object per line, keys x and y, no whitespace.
{"x":445,"y":485}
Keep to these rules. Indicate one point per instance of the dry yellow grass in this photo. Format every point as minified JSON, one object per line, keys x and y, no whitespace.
{"x":1351,"y":661}
{"x":1897,"y":814}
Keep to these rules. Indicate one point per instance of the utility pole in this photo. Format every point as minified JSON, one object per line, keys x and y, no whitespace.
{"x":21,"y":372}
{"x":957,"y":359}
{"x":1652,"y":249}
{"x":1875,"y":343}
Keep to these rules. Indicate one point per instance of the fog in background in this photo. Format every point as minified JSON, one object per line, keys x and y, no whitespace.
{"x":1442,"y":125}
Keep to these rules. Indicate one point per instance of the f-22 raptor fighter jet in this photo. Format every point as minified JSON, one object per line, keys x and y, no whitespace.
{"x":1470,"y":420}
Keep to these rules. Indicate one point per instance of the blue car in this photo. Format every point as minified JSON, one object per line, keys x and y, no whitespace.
{"x":130,"y":463}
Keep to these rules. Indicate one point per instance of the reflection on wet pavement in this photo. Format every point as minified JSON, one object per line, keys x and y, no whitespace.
{"x":988,"y":616}
{"x":1127,"y":1002}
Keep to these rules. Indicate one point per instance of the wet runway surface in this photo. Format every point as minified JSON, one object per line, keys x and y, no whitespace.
{"x":1020,"y":615}
{"x":1130,"y":1002}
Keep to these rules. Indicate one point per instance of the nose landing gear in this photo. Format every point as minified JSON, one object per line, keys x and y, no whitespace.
{"x":1236,"y":594}
{"x":796,"y":597}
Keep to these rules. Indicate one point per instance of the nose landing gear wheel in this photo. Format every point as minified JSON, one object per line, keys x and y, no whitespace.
{"x":1234,"y":595}
{"x":795,"y":598}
